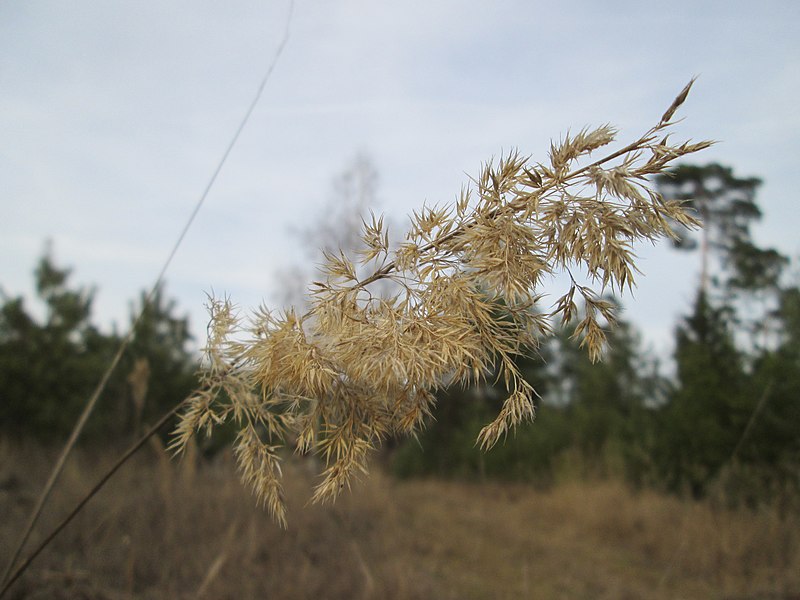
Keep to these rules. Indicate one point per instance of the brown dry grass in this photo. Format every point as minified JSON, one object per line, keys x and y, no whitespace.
{"x":162,"y":530}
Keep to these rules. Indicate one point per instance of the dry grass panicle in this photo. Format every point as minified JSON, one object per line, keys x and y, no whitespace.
{"x":360,"y":366}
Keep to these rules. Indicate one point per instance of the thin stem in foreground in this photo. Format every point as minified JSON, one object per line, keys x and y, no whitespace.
{"x":90,"y":494}
{"x":92,"y":402}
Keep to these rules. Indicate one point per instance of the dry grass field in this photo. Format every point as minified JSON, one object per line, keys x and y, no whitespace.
{"x":173,"y":530}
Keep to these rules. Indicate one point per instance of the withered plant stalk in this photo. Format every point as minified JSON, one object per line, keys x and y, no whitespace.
{"x":359,"y":366}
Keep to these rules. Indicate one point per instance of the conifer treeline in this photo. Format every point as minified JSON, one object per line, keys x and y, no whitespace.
{"x":50,"y":366}
{"x":729,"y":417}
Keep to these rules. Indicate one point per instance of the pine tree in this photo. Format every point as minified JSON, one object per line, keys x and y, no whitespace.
{"x":48,"y":369}
{"x":50,"y":366}
{"x":770,"y":448}
{"x":607,"y":403}
{"x":727,"y":207}
{"x":714,"y":418}
{"x":708,"y":410}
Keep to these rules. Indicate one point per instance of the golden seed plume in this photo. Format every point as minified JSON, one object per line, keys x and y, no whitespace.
{"x":465,"y":302}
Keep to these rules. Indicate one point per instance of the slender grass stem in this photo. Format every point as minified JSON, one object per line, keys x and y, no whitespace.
{"x":89,"y":495}
{"x":92,"y":402}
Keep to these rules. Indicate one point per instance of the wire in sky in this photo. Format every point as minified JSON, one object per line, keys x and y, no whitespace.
{"x":90,"y":405}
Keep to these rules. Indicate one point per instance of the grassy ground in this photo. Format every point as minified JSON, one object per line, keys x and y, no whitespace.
{"x":169,"y":530}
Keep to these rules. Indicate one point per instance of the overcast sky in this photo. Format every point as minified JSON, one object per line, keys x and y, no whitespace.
{"x":113,"y":116}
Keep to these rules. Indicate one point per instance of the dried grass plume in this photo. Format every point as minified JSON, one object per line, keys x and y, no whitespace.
{"x":359,"y":366}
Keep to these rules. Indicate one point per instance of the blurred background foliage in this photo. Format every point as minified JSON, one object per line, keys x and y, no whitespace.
{"x":49,"y":366}
{"x":725,"y":423}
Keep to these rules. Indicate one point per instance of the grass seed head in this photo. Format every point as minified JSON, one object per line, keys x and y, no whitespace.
{"x":465,"y":302}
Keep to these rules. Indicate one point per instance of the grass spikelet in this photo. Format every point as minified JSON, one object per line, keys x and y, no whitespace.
{"x":464,"y":301}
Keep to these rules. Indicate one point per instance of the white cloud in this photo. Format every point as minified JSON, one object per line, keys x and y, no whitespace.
{"x":112,"y":118}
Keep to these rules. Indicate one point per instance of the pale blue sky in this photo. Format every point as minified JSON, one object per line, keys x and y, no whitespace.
{"x":113,"y":116}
